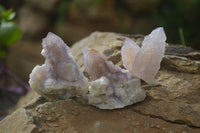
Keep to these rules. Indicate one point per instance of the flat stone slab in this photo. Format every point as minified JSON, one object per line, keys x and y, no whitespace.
{"x":172,"y":104}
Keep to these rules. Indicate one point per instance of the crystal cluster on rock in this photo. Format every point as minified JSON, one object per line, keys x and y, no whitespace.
{"x":144,"y":62}
{"x":110,"y":86}
{"x":60,"y":76}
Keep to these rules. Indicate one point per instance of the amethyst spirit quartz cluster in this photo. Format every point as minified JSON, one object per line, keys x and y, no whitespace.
{"x":108,"y":86}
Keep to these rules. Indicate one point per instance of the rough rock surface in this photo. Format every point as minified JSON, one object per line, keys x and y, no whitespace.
{"x":172,"y":104}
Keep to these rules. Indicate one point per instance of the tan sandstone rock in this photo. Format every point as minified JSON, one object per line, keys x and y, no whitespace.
{"x":172,"y":104}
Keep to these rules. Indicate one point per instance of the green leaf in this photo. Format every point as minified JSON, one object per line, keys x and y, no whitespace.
{"x":8,"y":15}
{"x":9,"y":33}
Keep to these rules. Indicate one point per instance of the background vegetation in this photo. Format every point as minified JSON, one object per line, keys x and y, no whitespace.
{"x":180,"y":18}
{"x":181,"y":21}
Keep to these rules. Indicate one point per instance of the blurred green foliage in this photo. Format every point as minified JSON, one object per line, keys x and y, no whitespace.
{"x":9,"y":32}
{"x":62,"y":10}
{"x":180,"y":18}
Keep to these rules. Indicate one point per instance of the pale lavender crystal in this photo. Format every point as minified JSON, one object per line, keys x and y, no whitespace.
{"x":60,"y":76}
{"x":147,"y":60}
{"x":98,"y":66}
{"x":112,"y":87}
{"x":129,"y":52}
